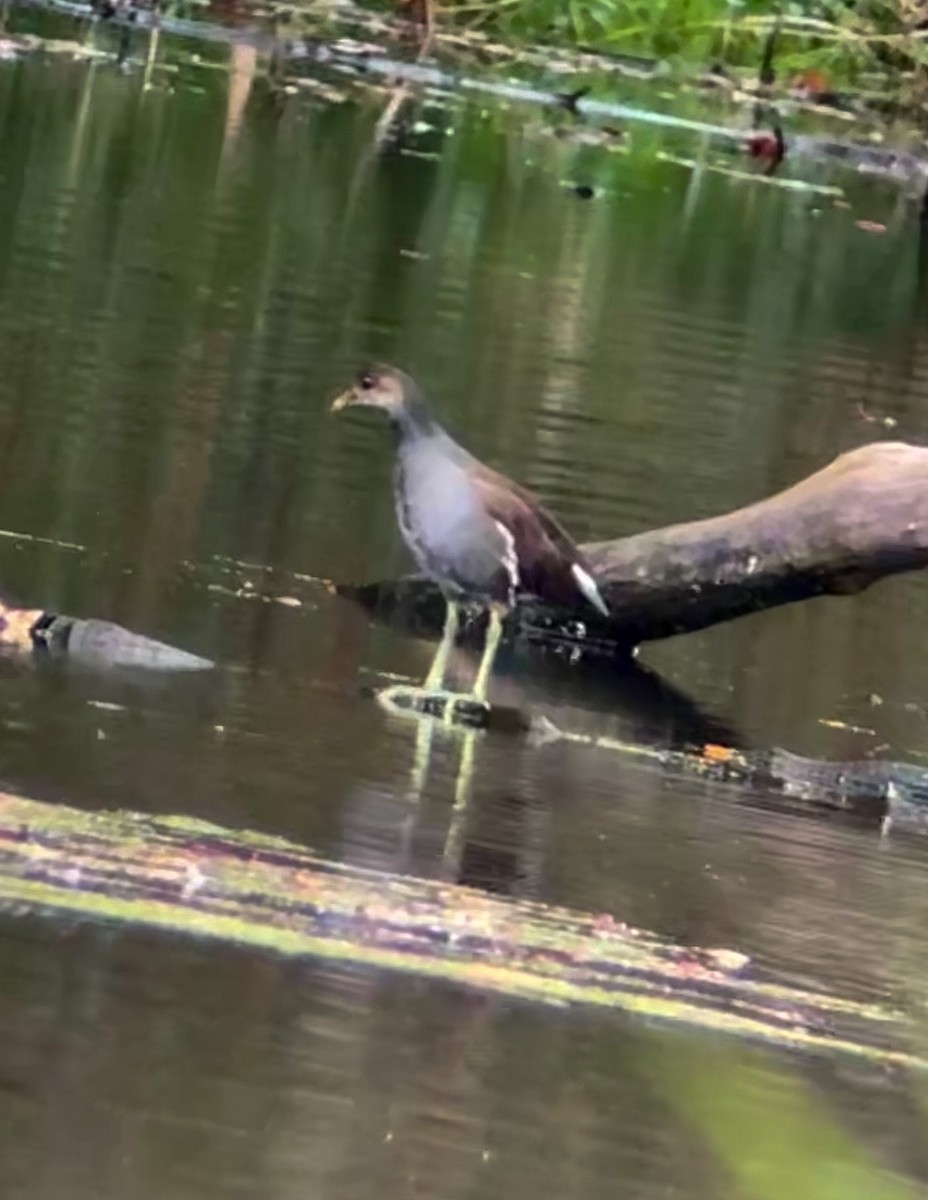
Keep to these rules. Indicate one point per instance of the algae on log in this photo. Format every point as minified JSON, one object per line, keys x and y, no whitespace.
{"x":196,"y":879}
{"x":863,"y":517}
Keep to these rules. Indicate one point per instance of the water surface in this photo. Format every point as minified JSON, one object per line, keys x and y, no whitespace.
{"x":185,"y":281}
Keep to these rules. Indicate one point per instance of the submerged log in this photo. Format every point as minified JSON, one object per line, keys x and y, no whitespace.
{"x":863,"y":517}
{"x":192,"y":879}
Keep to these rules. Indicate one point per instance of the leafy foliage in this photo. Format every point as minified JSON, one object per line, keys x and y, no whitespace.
{"x":842,"y":37}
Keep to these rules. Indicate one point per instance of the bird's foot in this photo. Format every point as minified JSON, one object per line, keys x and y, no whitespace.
{"x":452,"y":708}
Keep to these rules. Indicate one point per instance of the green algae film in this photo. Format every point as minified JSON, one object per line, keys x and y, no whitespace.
{"x":198,"y":880}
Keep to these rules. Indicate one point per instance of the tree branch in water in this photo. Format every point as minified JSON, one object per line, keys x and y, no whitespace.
{"x":860,"y":519}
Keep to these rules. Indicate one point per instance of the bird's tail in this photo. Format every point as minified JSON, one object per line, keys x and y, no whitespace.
{"x":587,"y":585}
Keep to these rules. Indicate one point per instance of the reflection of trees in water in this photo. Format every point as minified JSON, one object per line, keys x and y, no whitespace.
{"x":183,"y":282}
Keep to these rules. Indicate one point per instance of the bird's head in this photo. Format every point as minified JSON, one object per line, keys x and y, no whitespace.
{"x":378,"y":387}
{"x":395,"y":393}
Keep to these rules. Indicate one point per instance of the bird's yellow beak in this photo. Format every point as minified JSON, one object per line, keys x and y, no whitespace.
{"x":342,"y":400}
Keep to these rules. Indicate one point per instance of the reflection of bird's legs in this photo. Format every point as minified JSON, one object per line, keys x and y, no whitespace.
{"x":421,"y":759}
{"x":418,"y":776}
{"x":454,"y":842}
{"x":494,"y":633}
{"x":436,"y":675}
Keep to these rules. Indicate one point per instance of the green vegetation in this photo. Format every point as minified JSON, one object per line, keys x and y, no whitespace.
{"x":845,"y":41}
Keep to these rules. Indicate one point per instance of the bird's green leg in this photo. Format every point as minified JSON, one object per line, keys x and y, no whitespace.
{"x":494,"y":633}
{"x":436,"y":675}
{"x":430,"y":700}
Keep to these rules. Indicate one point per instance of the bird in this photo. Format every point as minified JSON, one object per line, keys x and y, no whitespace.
{"x":477,"y":534}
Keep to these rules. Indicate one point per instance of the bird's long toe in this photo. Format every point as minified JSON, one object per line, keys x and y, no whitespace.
{"x":452,"y":708}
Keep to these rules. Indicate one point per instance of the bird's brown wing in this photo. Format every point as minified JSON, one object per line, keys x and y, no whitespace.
{"x":545,"y":551}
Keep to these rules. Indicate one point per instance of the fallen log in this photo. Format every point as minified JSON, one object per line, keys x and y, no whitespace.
{"x":860,"y":519}
{"x":193,"y":879}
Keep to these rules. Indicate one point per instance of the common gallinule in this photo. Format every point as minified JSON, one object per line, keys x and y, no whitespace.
{"x":477,"y":534}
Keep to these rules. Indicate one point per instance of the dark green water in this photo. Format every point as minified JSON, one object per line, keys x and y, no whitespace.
{"x":183,"y":286}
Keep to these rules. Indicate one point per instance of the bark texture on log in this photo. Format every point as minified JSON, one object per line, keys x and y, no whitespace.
{"x":863,"y":517}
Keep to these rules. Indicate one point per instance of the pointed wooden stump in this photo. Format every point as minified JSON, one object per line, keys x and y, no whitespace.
{"x":99,"y":645}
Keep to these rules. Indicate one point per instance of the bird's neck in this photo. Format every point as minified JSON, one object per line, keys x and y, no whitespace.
{"x":415,"y":420}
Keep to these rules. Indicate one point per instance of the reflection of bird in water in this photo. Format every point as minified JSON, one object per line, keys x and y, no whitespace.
{"x":768,"y":148}
{"x":476,"y":533}
{"x":893,"y":163}
{"x":922,"y":260}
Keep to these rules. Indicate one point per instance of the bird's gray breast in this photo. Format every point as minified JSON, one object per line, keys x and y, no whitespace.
{"x":451,"y":535}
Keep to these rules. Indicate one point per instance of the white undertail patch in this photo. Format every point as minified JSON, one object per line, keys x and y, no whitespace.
{"x":587,"y":584}
{"x":510,"y":561}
